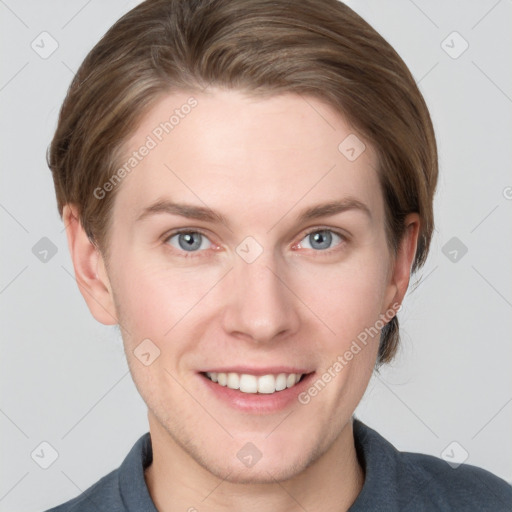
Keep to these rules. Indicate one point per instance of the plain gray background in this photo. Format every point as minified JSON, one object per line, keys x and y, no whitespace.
{"x":64,"y":377}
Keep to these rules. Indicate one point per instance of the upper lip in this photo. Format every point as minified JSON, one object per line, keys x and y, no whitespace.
{"x":275,"y":370}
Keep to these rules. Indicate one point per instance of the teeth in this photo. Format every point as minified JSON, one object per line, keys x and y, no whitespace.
{"x":247,"y":383}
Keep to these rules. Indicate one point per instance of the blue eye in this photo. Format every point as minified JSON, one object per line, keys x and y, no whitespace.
{"x":189,"y":241}
{"x":195,"y":241}
{"x":320,"y":239}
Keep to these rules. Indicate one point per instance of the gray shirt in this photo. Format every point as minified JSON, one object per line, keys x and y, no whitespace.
{"x":394,"y":481}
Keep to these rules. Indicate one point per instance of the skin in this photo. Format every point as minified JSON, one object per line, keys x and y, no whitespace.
{"x":259,"y":162}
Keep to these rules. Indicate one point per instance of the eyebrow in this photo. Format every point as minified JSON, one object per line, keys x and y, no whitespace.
{"x":206,"y":214}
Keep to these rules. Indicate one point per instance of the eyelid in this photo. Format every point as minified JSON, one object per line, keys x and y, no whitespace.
{"x":179,"y":231}
{"x":314,"y":229}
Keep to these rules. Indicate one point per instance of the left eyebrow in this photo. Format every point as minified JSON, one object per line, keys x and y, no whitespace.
{"x":333,"y":208}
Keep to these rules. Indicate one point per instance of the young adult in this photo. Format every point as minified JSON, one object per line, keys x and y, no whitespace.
{"x":247,"y":187}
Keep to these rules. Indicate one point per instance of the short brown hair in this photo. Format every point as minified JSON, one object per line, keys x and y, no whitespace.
{"x":319,"y":48}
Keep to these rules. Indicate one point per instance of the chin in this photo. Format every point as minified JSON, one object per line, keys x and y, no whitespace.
{"x":261,"y":473}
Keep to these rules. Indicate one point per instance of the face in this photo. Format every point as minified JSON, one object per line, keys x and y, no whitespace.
{"x":225,"y":260}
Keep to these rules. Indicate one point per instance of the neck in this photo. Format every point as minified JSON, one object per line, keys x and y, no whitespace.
{"x":176,"y":482}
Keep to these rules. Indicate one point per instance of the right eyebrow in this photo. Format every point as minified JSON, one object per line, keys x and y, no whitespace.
{"x":184,"y":210}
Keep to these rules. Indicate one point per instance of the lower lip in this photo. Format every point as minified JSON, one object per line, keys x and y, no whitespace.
{"x":258,"y":402}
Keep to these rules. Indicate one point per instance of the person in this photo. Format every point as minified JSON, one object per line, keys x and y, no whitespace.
{"x":247,"y":188}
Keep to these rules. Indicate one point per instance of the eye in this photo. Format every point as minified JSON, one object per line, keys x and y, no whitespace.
{"x":189,"y":241}
{"x":320,"y":239}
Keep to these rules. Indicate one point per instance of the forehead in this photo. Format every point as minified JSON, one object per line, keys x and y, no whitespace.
{"x":237,"y":153}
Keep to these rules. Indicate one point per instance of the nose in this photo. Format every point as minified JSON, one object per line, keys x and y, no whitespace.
{"x":260,"y":306}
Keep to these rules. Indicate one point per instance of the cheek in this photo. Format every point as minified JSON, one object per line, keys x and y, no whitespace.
{"x":348,"y":296}
{"x":152,"y":298}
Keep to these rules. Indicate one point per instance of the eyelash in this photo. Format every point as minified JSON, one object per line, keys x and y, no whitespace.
{"x":194,"y":254}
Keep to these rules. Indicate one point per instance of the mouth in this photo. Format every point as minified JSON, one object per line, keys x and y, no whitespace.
{"x":257,"y":390}
{"x":256,"y":384}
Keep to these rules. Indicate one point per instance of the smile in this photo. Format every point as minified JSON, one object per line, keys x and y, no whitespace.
{"x":247,"y":383}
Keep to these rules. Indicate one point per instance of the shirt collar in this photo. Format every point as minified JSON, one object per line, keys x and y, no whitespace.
{"x":132,"y":484}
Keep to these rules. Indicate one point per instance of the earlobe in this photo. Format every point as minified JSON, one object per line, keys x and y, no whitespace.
{"x":401,"y":272}
{"x":90,"y":273}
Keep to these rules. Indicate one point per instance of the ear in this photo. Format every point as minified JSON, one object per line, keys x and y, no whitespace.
{"x":90,"y":270}
{"x":400,"y":272}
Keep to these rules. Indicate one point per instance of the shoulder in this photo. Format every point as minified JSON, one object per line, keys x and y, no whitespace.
{"x":464,"y":487}
{"x":414,"y":481}
{"x":126,"y":484}
{"x":102,"y":496}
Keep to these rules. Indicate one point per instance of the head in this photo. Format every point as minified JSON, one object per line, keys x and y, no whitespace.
{"x":251,"y":113}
